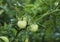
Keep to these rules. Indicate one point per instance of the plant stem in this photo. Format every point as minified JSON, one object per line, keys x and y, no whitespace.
{"x":47,"y":13}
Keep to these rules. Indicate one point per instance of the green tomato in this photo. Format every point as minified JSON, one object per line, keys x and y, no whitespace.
{"x":25,"y":18}
{"x":22,"y":24}
{"x":34,"y":27}
{"x":56,"y":3}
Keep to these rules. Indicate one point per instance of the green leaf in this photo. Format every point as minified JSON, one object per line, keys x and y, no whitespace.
{"x":4,"y":38}
{"x":1,"y":11}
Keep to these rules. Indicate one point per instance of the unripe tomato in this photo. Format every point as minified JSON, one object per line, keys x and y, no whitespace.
{"x":33,"y":27}
{"x":56,"y":3}
{"x":22,"y":24}
{"x":25,"y":18}
{"x":26,"y":40}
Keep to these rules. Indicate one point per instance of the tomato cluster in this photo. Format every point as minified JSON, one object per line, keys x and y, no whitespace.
{"x":23,"y":23}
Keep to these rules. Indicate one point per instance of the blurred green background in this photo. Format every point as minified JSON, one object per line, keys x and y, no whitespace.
{"x":46,"y":13}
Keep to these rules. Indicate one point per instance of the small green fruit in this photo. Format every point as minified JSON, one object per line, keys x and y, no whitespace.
{"x":22,"y":24}
{"x":33,"y":27}
{"x":56,"y":3}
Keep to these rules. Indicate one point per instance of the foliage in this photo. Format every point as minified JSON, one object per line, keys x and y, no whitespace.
{"x":44,"y":13}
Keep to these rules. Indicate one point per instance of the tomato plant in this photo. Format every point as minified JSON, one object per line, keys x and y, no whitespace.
{"x":30,"y":20}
